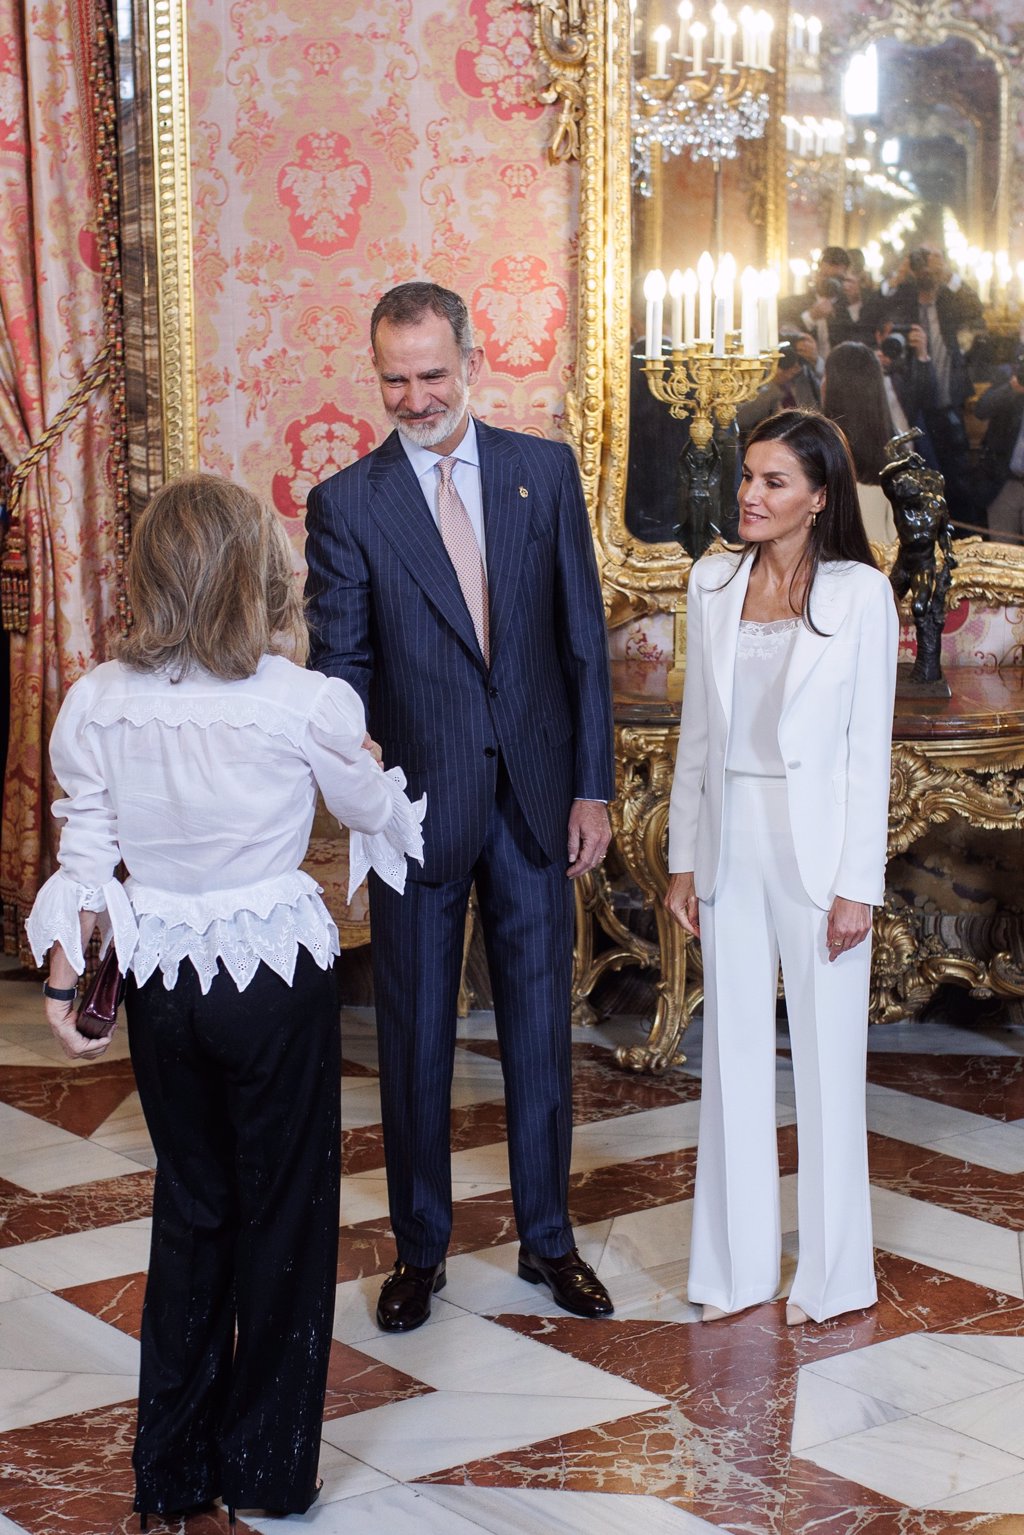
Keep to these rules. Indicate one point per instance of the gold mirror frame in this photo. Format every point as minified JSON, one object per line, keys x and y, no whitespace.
{"x":585,"y":45}
{"x":582,"y":44}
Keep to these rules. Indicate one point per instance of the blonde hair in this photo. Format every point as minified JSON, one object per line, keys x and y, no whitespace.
{"x":210,"y":583}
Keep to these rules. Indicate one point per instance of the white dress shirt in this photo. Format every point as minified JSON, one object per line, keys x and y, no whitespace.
{"x":896,"y":411}
{"x":465,"y":476}
{"x":206,"y":790}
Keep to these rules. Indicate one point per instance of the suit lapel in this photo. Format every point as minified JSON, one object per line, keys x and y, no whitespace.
{"x":724,"y":609}
{"x":397,"y":504}
{"x":828,"y":611}
{"x":506,"y":525}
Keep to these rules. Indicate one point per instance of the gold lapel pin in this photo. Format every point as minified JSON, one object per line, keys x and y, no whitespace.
{"x":523,"y":490}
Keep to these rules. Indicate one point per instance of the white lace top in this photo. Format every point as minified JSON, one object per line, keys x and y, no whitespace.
{"x":762,"y":655}
{"x":206,"y":790}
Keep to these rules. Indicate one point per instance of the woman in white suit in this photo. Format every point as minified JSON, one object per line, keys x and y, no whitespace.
{"x":777,"y":839}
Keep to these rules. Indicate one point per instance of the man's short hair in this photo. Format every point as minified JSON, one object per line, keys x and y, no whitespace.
{"x":410,"y":301}
{"x":834,"y":255}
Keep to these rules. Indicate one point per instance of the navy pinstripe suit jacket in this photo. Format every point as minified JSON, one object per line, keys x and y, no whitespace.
{"x":387,"y":614}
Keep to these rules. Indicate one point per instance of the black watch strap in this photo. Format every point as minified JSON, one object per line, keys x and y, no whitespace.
{"x":60,"y":993}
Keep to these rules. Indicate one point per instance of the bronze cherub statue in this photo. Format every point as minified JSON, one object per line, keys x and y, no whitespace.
{"x":917,"y":497}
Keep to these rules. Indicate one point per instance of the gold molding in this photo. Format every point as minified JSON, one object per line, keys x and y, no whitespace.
{"x":908,"y":962}
{"x":562,"y":36}
{"x":638,"y":577}
{"x":168,"y":65}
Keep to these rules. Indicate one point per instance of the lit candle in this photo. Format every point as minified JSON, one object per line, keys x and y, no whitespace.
{"x":985,"y":277}
{"x":764,"y":40}
{"x":718,"y":350}
{"x":797,"y":25}
{"x":661,"y":37}
{"x":636,"y":27}
{"x":705,"y":277}
{"x":724,"y":285}
{"x":813,"y":36}
{"x":750,"y":338}
{"x":746,"y":36}
{"x":719,"y":15}
{"x":771,"y":293}
{"x":654,"y":293}
{"x":698,"y":32}
{"x":689,"y":301}
{"x":675,"y":290}
{"x":1002,"y":273}
{"x":728,"y":33}
{"x":685,"y":14}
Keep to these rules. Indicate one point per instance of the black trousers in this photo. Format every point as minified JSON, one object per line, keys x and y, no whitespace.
{"x":241,"y":1093}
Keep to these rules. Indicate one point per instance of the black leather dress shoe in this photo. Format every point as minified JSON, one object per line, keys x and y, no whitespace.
{"x":573,"y":1283}
{"x":405,"y":1296}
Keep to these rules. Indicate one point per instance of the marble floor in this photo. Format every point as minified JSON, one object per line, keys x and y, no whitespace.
{"x":504,"y":1415}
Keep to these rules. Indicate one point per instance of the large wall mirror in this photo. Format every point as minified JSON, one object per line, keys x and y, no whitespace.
{"x":879,"y":121}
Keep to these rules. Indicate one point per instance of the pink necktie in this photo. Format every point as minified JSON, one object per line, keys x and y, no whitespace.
{"x":464,"y":553}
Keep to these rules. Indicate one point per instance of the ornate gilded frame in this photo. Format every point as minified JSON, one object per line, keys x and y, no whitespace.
{"x":582,"y":44}
{"x":157,"y":241}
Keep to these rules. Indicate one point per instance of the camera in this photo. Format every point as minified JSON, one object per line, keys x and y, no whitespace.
{"x":894,"y":345}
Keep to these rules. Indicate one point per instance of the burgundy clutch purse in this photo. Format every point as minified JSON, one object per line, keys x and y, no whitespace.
{"x":98,"y":1012}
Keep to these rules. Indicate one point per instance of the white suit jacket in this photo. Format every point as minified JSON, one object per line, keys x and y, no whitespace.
{"x":835,"y":729}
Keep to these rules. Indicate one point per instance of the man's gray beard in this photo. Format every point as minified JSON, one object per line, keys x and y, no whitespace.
{"x":435,"y":429}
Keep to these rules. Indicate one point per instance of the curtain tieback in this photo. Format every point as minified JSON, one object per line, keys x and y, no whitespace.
{"x":14,"y":578}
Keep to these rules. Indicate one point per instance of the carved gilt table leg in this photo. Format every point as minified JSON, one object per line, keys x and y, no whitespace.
{"x":640,"y":823}
{"x":594,"y":910}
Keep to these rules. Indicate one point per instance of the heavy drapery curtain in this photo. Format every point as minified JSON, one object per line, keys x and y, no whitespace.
{"x":61,"y":398}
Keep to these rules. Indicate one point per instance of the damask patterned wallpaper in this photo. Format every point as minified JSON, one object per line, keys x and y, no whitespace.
{"x":342,"y":146}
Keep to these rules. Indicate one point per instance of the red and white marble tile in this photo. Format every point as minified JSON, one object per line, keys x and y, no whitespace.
{"x":506,"y":1415}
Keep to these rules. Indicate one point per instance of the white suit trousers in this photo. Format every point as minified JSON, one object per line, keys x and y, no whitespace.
{"x":759,"y":914}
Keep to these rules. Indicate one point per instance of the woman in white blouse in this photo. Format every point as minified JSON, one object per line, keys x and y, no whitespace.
{"x":777,"y":841}
{"x":195,"y":759}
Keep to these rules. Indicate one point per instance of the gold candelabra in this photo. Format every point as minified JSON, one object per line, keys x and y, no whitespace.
{"x":694,"y":383}
{"x":697,"y":385}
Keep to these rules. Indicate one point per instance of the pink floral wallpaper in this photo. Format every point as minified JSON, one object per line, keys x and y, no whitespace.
{"x":340,"y":147}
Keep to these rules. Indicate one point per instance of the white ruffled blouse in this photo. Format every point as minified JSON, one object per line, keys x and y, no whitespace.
{"x":206,"y":790}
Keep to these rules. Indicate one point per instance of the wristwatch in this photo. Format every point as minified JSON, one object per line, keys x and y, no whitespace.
{"x":60,"y":993}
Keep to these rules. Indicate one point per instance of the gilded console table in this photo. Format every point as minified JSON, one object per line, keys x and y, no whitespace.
{"x":958,"y":757}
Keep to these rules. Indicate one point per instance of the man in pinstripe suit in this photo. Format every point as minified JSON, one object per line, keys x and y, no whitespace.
{"x":452,"y":581}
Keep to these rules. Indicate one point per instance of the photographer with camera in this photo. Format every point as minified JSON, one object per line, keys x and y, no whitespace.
{"x":942,"y":306}
{"x":908,"y":376}
{"x":1002,"y":406}
{"x":825,"y":312}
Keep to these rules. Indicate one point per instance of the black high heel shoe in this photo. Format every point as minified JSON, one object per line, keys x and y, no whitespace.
{"x":276,"y":1513}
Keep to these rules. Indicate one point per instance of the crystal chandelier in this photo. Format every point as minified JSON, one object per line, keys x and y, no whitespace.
{"x":699,"y":100}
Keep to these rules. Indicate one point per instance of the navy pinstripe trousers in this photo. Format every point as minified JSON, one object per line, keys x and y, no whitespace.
{"x":526,"y":912}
